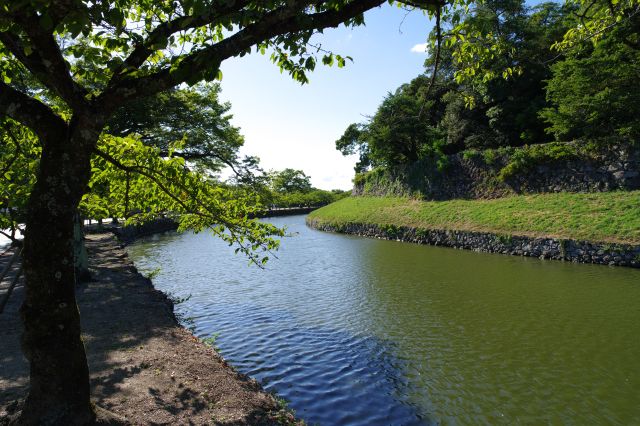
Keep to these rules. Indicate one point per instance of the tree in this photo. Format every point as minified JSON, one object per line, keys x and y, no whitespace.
{"x":502,"y":76}
{"x":594,"y":92}
{"x":403,"y":130}
{"x":87,"y":60}
{"x":290,"y":180}
{"x":292,"y":188}
{"x":353,"y":142}
{"x":312,"y":198}
{"x":188,"y":122}
{"x":487,"y":93}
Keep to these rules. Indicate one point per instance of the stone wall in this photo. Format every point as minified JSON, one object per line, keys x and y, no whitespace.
{"x":288,"y":211}
{"x":128,"y":234}
{"x":601,"y":168}
{"x":543,"y":248}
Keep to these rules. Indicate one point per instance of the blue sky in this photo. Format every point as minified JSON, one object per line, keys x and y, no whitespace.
{"x":289,"y":125}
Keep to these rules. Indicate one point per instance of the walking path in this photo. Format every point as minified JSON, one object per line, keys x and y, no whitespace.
{"x":10,"y":275}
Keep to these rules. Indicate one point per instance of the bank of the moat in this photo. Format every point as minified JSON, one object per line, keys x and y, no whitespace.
{"x":129,"y":233}
{"x":543,"y":248}
{"x":587,"y":228}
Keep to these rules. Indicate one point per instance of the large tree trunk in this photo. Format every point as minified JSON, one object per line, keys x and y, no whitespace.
{"x":59,"y":386}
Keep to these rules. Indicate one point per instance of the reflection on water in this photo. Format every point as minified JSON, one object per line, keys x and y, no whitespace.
{"x":366,"y":332}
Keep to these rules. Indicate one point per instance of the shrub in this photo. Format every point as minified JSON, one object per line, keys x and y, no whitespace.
{"x":525,"y":158}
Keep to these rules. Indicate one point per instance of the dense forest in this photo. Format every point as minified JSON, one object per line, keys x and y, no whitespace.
{"x":532,"y":86}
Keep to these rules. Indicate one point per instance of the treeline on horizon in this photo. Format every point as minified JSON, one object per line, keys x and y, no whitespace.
{"x":528,"y":86}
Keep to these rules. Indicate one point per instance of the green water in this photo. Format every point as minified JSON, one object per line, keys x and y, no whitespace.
{"x":517,"y":338}
{"x":370,"y":332}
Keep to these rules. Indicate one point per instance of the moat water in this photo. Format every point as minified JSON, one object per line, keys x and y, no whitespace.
{"x":357,"y":331}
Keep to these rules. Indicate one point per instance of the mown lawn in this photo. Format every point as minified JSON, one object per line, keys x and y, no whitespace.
{"x":602,"y":217}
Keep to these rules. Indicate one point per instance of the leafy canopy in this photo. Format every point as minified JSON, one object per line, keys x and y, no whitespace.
{"x":188,"y":122}
{"x":594,"y":92}
{"x":430,"y":117}
{"x":148,"y":186}
{"x":19,"y":159}
{"x":290,"y":180}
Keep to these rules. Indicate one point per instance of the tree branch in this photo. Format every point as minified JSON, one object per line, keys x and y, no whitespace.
{"x":13,"y":239}
{"x":208,"y":214}
{"x":189,"y":156}
{"x":163,"y":31}
{"x":46,"y":62}
{"x":17,"y":152}
{"x":424,"y":4}
{"x":277,"y":22}
{"x":132,"y":169}
{"x":29,"y":111}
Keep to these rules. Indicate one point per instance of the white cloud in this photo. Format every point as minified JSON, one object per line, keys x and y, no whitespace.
{"x":420,"y":48}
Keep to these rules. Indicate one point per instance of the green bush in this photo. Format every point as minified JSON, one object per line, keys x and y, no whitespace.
{"x":525,"y":158}
{"x":470,"y":154}
{"x":489,"y":156}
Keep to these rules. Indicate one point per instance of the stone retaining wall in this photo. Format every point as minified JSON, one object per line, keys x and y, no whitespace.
{"x":289,"y":211}
{"x":543,"y":248}
{"x":599,"y":169}
{"x":128,"y":234}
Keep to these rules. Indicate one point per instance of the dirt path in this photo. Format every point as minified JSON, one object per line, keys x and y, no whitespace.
{"x":7,"y":260}
{"x":144,"y":366}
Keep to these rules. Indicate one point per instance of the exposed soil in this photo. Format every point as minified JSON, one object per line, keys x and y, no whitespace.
{"x":144,"y":366}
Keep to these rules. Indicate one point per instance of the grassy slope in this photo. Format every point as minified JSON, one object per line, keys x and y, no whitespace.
{"x":602,"y":217}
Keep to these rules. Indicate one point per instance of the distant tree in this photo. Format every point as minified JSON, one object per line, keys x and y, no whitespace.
{"x":315,"y":197}
{"x":501,"y":80}
{"x":404,"y":127}
{"x":290,"y":180}
{"x":486,"y":94}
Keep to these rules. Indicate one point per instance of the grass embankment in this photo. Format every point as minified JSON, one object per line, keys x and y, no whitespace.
{"x":599,"y":217}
